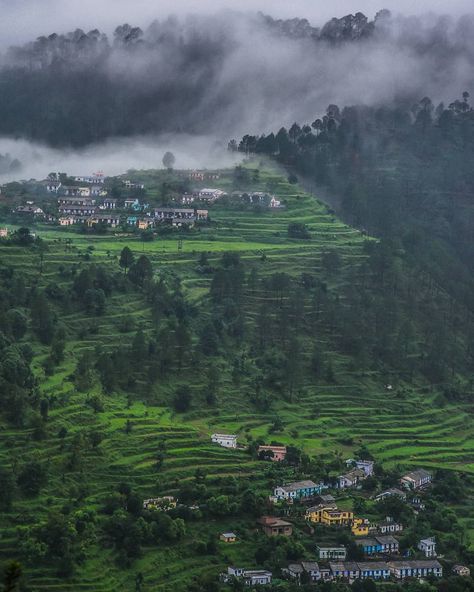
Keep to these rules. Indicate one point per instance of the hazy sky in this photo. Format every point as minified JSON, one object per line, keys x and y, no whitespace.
{"x":23,"y":19}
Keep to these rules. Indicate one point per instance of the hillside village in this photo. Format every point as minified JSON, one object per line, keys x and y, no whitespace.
{"x":273,"y":515}
{"x":373,"y":551}
{"x":90,"y":202}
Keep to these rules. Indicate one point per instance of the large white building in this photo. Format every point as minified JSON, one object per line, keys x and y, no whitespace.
{"x":226,"y":440}
{"x":251,"y":577}
{"x":428,"y":546}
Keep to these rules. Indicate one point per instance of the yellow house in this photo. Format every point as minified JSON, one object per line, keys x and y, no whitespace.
{"x":329,"y":516}
{"x":360,"y":527}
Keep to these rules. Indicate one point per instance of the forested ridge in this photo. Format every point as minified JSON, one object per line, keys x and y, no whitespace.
{"x":402,"y":173}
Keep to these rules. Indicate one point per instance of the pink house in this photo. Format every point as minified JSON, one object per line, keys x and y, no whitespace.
{"x":279,"y":452}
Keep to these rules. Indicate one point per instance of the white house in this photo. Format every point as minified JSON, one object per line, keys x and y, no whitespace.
{"x":251,"y":577}
{"x":339,"y":552}
{"x":393,"y":492}
{"x":364,"y":465}
{"x":210,"y":194}
{"x":226,"y":440}
{"x":389,"y":526}
{"x":351,"y":479}
{"x":428,"y":546}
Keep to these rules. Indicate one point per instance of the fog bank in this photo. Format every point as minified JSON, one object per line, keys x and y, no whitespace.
{"x":115,"y":156}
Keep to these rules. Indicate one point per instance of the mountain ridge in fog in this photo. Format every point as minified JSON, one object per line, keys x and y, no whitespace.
{"x":225,"y":74}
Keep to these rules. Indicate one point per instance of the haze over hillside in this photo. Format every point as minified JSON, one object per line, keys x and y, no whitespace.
{"x":224,"y":73}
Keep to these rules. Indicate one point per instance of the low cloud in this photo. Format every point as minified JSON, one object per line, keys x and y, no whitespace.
{"x":115,"y":156}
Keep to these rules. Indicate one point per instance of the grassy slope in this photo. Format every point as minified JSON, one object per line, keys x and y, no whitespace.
{"x":408,"y":429}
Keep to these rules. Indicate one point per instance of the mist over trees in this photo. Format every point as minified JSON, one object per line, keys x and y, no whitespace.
{"x":185,"y":75}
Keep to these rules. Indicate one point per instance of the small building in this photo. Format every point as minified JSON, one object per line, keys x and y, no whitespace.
{"x":312,"y":569}
{"x":388,"y":543}
{"x":379,"y":544}
{"x":66,"y":220}
{"x":297,"y":490}
{"x":428,"y":546}
{"x":461,"y":570}
{"x":415,"y":569}
{"x":351,"y":479}
{"x":375,"y":570}
{"x":296,"y":570}
{"x":201,"y":214}
{"x":393,"y":492}
{"x":228,"y":537}
{"x":360,"y":527}
{"x":210,"y":195}
{"x":364,"y":465}
{"x":347,"y":570}
{"x":94,"y":179}
{"x":30,"y":210}
{"x":164,"y":503}
{"x":416,"y":479}
{"x":389,"y":526}
{"x":275,"y":453}
{"x":225,"y":440}
{"x":417,"y":504}
{"x":109,"y":203}
{"x":338,"y":552}
{"x":112,"y":220}
{"x":77,"y":191}
{"x":131,"y":185}
{"x":370,"y":546}
{"x":145,"y":223}
{"x":132,"y":204}
{"x":3,"y":232}
{"x":325,"y":573}
{"x":273,"y":526}
{"x":250,"y":577}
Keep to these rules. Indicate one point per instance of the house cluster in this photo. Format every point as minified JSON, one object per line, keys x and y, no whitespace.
{"x":88,"y":185}
{"x":376,"y":570}
{"x":86,"y":210}
{"x":340,"y":570}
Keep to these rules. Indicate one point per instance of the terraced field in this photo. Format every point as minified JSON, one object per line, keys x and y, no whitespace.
{"x":403,"y":426}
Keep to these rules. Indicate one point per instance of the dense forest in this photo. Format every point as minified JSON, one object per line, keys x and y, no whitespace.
{"x":401,"y":173}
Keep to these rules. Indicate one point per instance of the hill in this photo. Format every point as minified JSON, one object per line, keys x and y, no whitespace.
{"x":282,"y":325}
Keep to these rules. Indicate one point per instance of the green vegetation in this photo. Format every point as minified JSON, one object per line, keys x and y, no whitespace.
{"x":119,"y":358}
